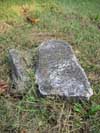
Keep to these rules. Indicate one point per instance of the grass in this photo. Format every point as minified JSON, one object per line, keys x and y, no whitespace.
{"x":74,"y":21}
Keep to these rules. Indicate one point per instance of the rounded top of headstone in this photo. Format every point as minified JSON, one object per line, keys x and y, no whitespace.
{"x":53,"y":43}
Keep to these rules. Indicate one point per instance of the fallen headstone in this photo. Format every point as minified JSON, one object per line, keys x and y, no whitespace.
{"x":59,"y":73}
{"x":19,"y":75}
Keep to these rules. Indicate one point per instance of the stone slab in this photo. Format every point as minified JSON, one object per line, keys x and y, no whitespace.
{"x":19,"y":75}
{"x":59,"y":73}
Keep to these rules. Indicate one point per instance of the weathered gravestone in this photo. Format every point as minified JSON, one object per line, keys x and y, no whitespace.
{"x":59,"y":73}
{"x":19,"y":75}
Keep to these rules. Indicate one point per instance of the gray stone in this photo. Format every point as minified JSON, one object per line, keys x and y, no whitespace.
{"x":19,"y":73}
{"x":59,"y":73}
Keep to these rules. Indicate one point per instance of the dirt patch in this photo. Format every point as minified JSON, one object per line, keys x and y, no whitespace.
{"x":39,"y":37}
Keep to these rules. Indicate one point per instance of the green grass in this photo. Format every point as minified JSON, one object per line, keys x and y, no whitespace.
{"x":74,"y":21}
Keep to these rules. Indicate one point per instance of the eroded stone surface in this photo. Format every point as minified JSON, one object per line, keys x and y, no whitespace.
{"x":59,"y":73}
{"x":19,"y":73}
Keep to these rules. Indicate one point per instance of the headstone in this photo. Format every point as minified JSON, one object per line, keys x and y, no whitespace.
{"x":59,"y":73}
{"x":19,"y":75}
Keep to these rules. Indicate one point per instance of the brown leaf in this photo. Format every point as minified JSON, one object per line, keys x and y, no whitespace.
{"x":3,"y":87}
{"x":23,"y":131}
{"x":32,"y":20}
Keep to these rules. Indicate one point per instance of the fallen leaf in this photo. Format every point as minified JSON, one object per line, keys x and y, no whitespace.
{"x":23,"y":131}
{"x":3,"y":87}
{"x":32,"y":20}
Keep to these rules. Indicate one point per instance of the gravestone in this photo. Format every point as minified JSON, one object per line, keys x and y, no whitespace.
{"x":58,"y":71}
{"x":19,"y":75}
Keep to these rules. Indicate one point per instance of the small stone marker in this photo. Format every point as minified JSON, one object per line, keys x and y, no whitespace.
{"x":19,"y":73}
{"x":59,"y":73}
